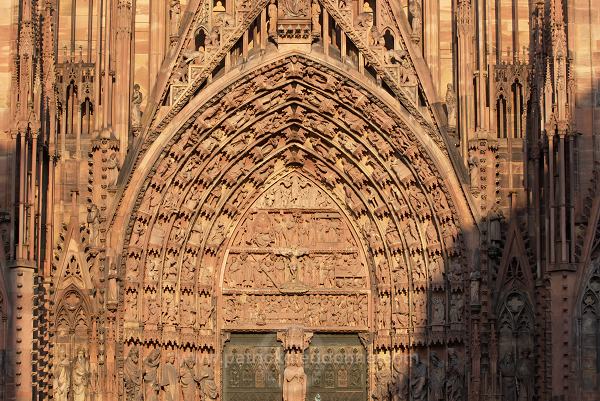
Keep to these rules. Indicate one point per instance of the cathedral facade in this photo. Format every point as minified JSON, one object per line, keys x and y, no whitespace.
{"x":300,"y":200}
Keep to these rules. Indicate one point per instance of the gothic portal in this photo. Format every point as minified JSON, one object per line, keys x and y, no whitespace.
{"x":299,"y":200}
{"x":290,"y":242}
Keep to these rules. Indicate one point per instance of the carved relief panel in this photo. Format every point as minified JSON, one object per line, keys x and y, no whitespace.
{"x":295,"y":259}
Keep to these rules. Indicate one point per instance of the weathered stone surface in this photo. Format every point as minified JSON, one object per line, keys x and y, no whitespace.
{"x":299,"y":200}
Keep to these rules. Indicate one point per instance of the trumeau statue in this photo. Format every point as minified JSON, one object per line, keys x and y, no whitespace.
{"x":294,"y":379}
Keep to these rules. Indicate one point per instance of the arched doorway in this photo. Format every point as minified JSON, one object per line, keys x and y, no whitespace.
{"x":297,"y":212}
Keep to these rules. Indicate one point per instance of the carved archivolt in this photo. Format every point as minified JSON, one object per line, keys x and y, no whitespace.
{"x":293,"y":194}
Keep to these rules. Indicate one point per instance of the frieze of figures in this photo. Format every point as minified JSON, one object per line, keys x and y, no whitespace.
{"x":167,"y":375}
{"x":318,"y":310}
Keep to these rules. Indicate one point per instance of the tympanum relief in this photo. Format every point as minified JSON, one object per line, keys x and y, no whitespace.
{"x":294,"y":254}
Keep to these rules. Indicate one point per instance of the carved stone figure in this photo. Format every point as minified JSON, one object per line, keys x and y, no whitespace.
{"x":315,"y":14}
{"x":175,"y":10}
{"x":418,"y":379}
{"x":399,"y":385}
{"x":93,"y":221}
{"x":457,"y":307}
{"x":136,"y":103}
{"x":81,"y":377}
{"x":507,"y":372}
{"x":151,"y":386}
{"x":62,"y":377}
{"x":188,"y":379}
{"x":112,"y":169}
{"x":132,"y":375}
{"x":294,"y":379}
{"x":382,"y":382}
{"x":436,"y":377}
{"x":524,"y":372}
{"x":273,"y":14}
{"x":451,"y":105}
{"x":455,"y":379}
{"x":169,"y":378}
{"x":438,"y":311}
{"x":417,"y":20}
{"x":206,"y":381}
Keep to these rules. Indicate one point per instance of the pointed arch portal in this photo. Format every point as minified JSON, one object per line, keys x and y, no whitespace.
{"x":291,"y":212}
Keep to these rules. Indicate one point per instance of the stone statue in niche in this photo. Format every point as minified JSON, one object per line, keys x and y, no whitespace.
{"x":132,"y":375}
{"x":457,"y":308}
{"x":188,"y":311}
{"x":169,"y":313}
{"x":315,"y":14}
{"x":136,"y":103}
{"x":418,"y":379}
{"x":151,"y":375}
{"x":175,"y":10}
{"x":206,"y":381}
{"x":438,"y":311}
{"x":80,"y":377}
{"x":62,"y":378}
{"x":451,"y":106}
{"x":273,"y":13}
{"x":294,"y":379}
{"x":169,"y":378}
{"x":93,"y":221}
{"x":112,"y":169}
{"x":507,"y":372}
{"x":417,"y":20}
{"x":524,"y":372}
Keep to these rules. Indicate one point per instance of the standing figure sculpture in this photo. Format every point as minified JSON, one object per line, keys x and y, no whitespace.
{"x":382,"y":379}
{"x":294,"y":379}
{"x":451,"y":105}
{"x":399,"y":386}
{"x":188,"y":379}
{"x":136,"y":104}
{"x":507,"y":370}
{"x":418,"y":379}
{"x":169,"y":378}
{"x":315,"y":14}
{"x":272,"y":10}
{"x":454,"y":382}
{"x":132,"y":375}
{"x":206,"y":380}
{"x":151,"y":375}
{"x":81,"y":377}
{"x":62,"y":379}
